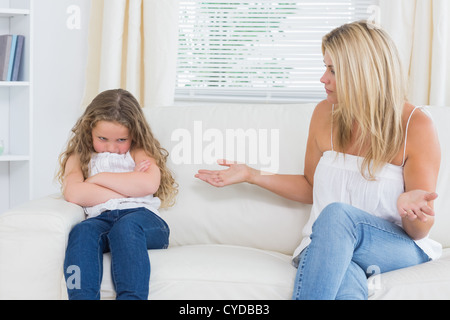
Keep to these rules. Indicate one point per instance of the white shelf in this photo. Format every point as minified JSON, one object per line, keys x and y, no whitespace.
{"x":9,"y":13}
{"x":14,"y":83}
{"x":12,"y":158}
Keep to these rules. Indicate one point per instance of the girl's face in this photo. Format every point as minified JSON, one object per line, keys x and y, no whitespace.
{"x":329,"y":79}
{"x":111,"y":137}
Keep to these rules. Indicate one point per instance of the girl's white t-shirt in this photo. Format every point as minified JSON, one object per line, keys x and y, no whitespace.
{"x":117,"y":163}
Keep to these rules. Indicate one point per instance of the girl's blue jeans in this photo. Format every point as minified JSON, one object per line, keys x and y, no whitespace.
{"x":127,"y":235}
{"x":347,"y":245}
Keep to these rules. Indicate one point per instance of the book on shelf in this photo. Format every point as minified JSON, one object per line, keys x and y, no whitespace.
{"x":11,"y":49}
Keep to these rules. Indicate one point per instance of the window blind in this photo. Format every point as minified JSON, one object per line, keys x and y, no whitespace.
{"x":262,"y":51}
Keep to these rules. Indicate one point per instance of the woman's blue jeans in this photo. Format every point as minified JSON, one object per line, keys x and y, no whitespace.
{"x":127,"y":235}
{"x":346,"y":244}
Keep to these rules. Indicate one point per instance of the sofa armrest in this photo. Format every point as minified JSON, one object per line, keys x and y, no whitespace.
{"x":33,"y":239}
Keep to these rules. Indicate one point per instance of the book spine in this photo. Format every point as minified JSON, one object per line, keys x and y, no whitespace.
{"x":18,"y":58}
{"x":12,"y":56}
{"x":5,"y":49}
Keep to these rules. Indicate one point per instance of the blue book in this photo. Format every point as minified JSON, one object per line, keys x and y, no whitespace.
{"x":11,"y":57}
{"x":18,"y":58}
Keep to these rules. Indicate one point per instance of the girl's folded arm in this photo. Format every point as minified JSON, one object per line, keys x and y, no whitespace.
{"x":132,"y":184}
{"x":76,"y":190}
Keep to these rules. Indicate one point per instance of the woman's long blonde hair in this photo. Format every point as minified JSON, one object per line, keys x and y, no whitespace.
{"x":371,"y":92}
{"x":121,"y":107}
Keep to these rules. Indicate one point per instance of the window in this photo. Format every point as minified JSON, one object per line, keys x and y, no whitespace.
{"x":258,"y":51}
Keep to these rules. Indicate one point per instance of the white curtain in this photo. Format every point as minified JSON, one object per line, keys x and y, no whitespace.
{"x":421,"y":30}
{"x":133,"y":45}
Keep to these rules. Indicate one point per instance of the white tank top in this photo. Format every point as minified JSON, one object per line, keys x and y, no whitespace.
{"x":338,"y":178}
{"x":113,"y":162}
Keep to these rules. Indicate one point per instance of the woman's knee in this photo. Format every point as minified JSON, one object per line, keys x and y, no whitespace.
{"x":334,"y":213}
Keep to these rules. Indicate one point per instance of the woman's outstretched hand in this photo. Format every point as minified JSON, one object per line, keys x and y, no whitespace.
{"x":414,"y":205}
{"x":236,"y":173}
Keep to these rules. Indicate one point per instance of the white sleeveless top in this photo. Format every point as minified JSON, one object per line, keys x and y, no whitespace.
{"x":338,"y":178}
{"x":113,"y":162}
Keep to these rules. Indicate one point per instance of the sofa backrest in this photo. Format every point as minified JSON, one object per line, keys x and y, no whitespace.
{"x":269,"y":137}
{"x":275,"y":140}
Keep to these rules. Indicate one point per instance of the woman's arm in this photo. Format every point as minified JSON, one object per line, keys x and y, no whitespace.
{"x":76,"y":190}
{"x":421,"y":170}
{"x":294,"y":187}
{"x":139,"y":183}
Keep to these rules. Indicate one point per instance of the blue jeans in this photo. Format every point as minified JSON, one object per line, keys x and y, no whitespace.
{"x":127,"y":234}
{"x":346,"y":243}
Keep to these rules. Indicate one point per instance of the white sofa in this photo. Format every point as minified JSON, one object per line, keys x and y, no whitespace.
{"x":229,"y":243}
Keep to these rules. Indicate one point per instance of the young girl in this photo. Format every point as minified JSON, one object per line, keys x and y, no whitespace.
{"x":116,"y":170}
{"x":371,"y":169}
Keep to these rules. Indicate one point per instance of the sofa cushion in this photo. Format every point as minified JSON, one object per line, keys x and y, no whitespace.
{"x":214,"y":272}
{"x":221,"y":272}
{"x":428,"y":281}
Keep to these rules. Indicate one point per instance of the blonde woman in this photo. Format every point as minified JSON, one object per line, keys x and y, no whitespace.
{"x":116,"y":170}
{"x":371,"y":169}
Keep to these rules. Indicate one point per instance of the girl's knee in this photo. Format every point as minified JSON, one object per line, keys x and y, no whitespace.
{"x":130,"y":224}
{"x":81,"y":230}
{"x":125,"y":227}
{"x":83,"y":236}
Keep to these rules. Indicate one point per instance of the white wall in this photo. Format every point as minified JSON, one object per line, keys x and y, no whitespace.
{"x":59,"y":76}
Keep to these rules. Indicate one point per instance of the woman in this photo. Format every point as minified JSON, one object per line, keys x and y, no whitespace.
{"x":371,"y":168}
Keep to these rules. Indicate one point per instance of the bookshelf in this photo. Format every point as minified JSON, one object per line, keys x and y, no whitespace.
{"x":16,"y":109}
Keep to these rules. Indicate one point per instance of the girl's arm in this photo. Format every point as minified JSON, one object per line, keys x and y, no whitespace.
{"x":139,"y":183}
{"x":76,"y":190}
{"x":421,"y":170}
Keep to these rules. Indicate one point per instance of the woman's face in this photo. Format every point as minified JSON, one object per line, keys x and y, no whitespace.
{"x":111,"y":137}
{"x":329,"y":79}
